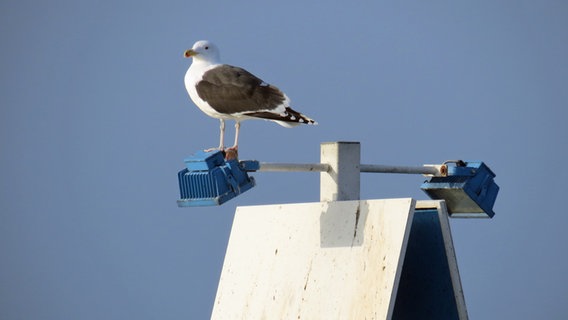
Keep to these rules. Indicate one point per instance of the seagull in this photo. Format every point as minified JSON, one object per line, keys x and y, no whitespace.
{"x":227,"y":92}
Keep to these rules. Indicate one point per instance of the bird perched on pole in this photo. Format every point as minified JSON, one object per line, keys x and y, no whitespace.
{"x":227,"y":92}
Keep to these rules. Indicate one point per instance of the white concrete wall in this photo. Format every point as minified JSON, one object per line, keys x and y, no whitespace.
{"x":325,"y":260}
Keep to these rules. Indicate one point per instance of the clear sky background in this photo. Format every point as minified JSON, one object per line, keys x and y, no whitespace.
{"x":95,"y":123}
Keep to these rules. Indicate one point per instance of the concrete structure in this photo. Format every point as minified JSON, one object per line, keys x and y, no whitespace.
{"x":341,"y":258}
{"x":368,"y":259}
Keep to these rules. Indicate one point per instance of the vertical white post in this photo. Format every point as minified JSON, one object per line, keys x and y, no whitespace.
{"x":342,"y":181}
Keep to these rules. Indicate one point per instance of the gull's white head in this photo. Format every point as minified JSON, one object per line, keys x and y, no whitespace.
{"x":203,"y":50}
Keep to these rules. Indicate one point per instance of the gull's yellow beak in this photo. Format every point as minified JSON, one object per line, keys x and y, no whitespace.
{"x":189,"y":53}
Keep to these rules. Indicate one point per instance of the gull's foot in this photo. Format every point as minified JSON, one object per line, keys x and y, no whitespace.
{"x":232,"y":153}
{"x":214,"y":149}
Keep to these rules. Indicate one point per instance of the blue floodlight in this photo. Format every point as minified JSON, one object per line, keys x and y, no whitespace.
{"x":468,"y":189}
{"x":209,"y":180}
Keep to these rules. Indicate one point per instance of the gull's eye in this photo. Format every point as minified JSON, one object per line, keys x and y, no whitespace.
{"x":206,"y":47}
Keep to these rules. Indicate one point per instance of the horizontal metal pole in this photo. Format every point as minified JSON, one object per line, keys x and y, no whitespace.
{"x":376,"y":168}
{"x":431,"y":170}
{"x":318,"y":167}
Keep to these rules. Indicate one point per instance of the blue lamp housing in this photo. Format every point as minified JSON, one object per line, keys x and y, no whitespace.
{"x":469,"y":190}
{"x":210,"y":180}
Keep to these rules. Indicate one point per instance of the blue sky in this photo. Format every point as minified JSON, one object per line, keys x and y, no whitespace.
{"x":95,"y":123}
